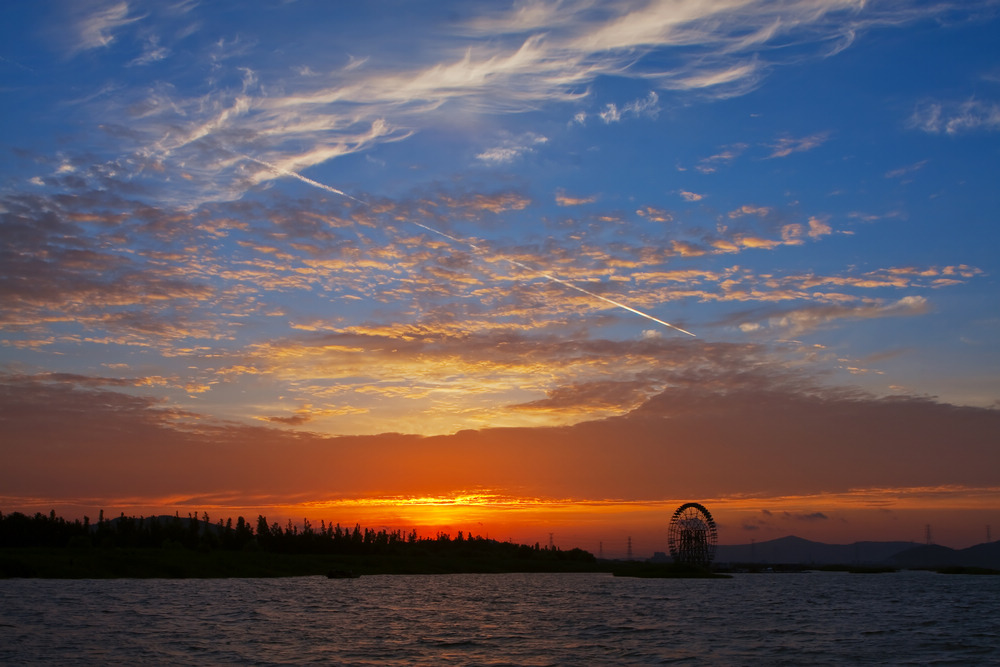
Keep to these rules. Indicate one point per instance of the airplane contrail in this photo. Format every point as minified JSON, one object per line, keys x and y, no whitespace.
{"x":556,"y":279}
{"x":455,"y":239}
{"x":288,"y":172}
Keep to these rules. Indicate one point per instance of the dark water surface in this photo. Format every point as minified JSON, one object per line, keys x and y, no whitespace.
{"x":507,"y":619}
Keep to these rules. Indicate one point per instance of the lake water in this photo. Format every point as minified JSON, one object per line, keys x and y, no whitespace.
{"x":507,"y":619}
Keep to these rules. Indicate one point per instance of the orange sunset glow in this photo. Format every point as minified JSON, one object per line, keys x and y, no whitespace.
{"x":606,"y":525}
{"x":756,"y":456}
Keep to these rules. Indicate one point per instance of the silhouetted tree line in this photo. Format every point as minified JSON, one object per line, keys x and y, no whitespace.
{"x":176,"y":532}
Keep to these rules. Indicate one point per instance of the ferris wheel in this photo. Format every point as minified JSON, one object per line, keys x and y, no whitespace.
{"x":692,"y":535}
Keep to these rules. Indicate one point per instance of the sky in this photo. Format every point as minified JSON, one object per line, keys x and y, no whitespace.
{"x":523,"y":269}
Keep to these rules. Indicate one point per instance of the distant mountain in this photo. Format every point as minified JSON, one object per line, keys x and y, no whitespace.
{"x":925,"y":555}
{"x":795,"y":550}
{"x":933,"y":555}
{"x":983,"y":555}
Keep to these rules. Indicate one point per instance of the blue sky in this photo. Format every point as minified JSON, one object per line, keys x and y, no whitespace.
{"x":418,"y":218}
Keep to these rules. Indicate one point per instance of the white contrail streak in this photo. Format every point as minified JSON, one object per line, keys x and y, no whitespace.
{"x":454,"y":239}
{"x":287,"y":172}
{"x":557,"y":280}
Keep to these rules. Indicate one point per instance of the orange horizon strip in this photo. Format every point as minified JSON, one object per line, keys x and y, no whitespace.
{"x":924,"y":498}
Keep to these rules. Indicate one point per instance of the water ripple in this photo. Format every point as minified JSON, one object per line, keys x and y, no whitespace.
{"x":510,"y":619}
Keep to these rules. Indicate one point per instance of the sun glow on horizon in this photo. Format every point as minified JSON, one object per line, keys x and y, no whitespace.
{"x":858,"y":514}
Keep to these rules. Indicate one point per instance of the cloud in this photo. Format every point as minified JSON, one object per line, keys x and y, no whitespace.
{"x":726,"y":155}
{"x":831,"y":288}
{"x":811,"y":516}
{"x":591,"y":398}
{"x":152,"y":52}
{"x":486,"y":376}
{"x":512,"y":149}
{"x":65,"y":443}
{"x":648,"y":106}
{"x":499,"y":61}
{"x":96,"y":23}
{"x":610,"y":114}
{"x":749,"y":209}
{"x":743,"y":78}
{"x":688,"y":249}
{"x":126,"y":273}
{"x":655,"y":214}
{"x":906,"y":170}
{"x":495,"y":203}
{"x":956,"y":117}
{"x":782,"y":147}
{"x":563,"y":199}
{"x":791,"y":234}
{"x":818,"y":228}
{"x":54,"y":273}
{"x":785,"y":146}
{"x":317,"y":296}
{"x":691,"y":196}
{"x":500,"y":155}
{"x":805,"y":319}
{"x":307,"y":413}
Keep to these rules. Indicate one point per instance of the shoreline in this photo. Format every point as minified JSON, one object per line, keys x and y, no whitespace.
{"x":152,"y":563}
{"x":139,"y":563}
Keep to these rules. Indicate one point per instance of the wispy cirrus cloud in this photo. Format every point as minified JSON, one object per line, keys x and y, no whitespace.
{"x":644,"y":107}
{"x":725,"y":156}
{"x":906,"y":170}
{"x":781,"y":147}
{"x":800,"y":320}
{"x":956,"y":117}
{"x":152,"y":52}
{"x":501,"y":61}
{"x":785,"y":146}
{"x":94,"y":23}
